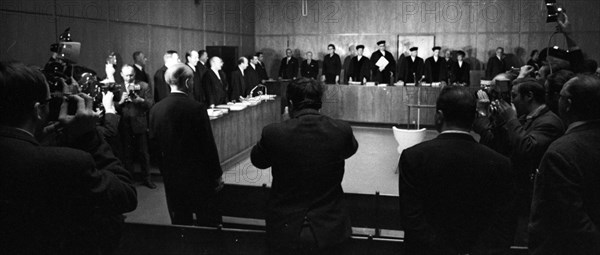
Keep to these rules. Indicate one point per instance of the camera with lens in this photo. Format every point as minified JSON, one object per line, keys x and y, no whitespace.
{"x":491,"y":96}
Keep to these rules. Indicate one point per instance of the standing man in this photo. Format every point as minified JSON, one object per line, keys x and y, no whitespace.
{"x":360,"y":69}
{"x":309,"y":67}
{"x":332,"y":66}
{"x":215,"y":83}
{"x":252,"y":76}
{"x":201,"y":68}
{"x":261,"y":68}
{"x":189,"y":160}
{"x":566,"y":210}
{"x":136,"y":100}
{"x":452,"y":189}
{"x":461,"y":70}
{"x":496,"y":64}
{"x":435,"y":67}
{"x":449,"y":64}
{"x":289,"y":66}
{"x":411,"y":71}
{"x":139,"y":64}
{"x":383,"y":74}
{"x":306,"y":212}
{"x":191,"y":59}
{"x":238,"y":80}
{"x":161,"y":89}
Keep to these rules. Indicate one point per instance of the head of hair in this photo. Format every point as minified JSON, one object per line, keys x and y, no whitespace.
{"x":136,"y":55}
{"x":533,"y":52}
{"x":187,"y":55}
{"x":200,"y":52}
{"x":305,"y":93}
{"x":500,"y":48}
{"x":179,"y":74}
{"x":258,"y":54}
{"x":20,"y":88}
{"x":461,"y":53}
{"x":126,"y":66}
{"x":360,"y":46}
{"x":331,"y":45}
{"x":240,"y":60}
{"x":535,"y":88}
{"x":458,"y":105}
{"x":584,"y":93}
{"x":557,"y":80}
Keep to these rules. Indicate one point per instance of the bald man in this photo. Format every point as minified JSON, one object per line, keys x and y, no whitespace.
{"x":136,"y":100}
{"x":190,"y":166}
{"x":215,"y":83}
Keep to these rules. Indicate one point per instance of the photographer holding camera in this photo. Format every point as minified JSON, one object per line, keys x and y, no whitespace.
{"x":56,"y":200}
{"x":521,"y":127}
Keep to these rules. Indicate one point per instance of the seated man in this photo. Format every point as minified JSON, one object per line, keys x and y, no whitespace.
{"x":56,"y":200}
{"x":452,"y":189}
{"x":306,"y":212}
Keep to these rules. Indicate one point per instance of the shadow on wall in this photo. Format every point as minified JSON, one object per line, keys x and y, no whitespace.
{"x":471,"y":58}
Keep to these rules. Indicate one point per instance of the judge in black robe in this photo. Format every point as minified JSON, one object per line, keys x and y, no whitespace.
{"x":384,"y":75}
{"x":449,"y":65}
{"x":496,"y":64}
{"x":360,"y":69}
{"x":435,"y":68}
{"x":199,"y":89}
{"x":412,"y":67}
{"x":461,"y":69}
{"x":309,"y":67}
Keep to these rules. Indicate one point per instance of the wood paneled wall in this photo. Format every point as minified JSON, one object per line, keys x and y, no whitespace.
{"x":123,"y":26}
{"x":476,"y":26}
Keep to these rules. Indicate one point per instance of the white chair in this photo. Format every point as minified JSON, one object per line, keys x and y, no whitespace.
{"x":407,"y":138}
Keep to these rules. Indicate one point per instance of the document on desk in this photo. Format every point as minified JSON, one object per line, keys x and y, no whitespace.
{"x":382,"y":63}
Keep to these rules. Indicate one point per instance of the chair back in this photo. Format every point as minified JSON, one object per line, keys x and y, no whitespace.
{"x":408,"y":137}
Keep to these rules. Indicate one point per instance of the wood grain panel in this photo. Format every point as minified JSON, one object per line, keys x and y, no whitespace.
{"x":165,"y":13}
{"x":192,"y":14}
{"x":29,"y":47}
{"x":238,"y":131}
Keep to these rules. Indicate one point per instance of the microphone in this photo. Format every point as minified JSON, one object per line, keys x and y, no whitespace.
{"x":260,"y":92}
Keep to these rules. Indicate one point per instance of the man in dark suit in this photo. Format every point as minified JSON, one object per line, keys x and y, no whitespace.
{"x":261,"y":68}
{"x":332,"y":66}
{"x":216,"y":83}
{"x":56,"y":200}
{"x":412,"y":67}
{"x":238,"y":86}
{"x":309,"y":67}
{"x":189,"y":162}
{"x":288,"y":69}
{"x":252,"y":76}
{"x":191,"y":59}
{"x":496,"y":64}
{"x":199,"y":90}
{"x":136,"y":100}
{"x":435,"y":67}
{"x":139,"y":65}
{"x":522,"y":133}
{"x":379,"y":74}
{"x":449,"y":64}
{"x":359,"y":69}
{"x":566,"y":210}
{"x":452,"y":189}
{"x":306,"y":212}
{"x":461,"y":70}
{"x":161,"y":89}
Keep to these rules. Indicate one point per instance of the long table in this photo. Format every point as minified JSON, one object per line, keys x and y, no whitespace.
{"x":236,"y":132}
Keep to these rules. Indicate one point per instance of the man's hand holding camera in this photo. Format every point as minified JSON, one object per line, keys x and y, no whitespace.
{"x":82,"y":121}
{"x":506,"y":111}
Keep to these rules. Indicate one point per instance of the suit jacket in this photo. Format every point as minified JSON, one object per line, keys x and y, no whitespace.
{"x":189,"y":161}
{"x":252,"y":78}
{"x":436,"y":72}
{"x":462,"y":74}
{"x":199,"y":91}
{"x":141,"y":75}
{"x":494,"y":67}
{"x":452,"y":192}
{"x":59,"y":200}
{"x":134,"y":116}
{"x":216,"y":89}
{"x":359,"y":69}
{"x":288,"y":70}
{"x":161,"y":88}
{"x":565,"y":211}
{"x":382,"y":77}
{"x":307,"y":175}
{"x":238,"y":85}
{"x":408,"y":67}
{"x":309,"y":70}
{"x":262,"y":71}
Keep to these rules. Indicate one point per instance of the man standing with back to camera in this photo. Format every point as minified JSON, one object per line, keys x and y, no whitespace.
{"x":305,"y":211}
